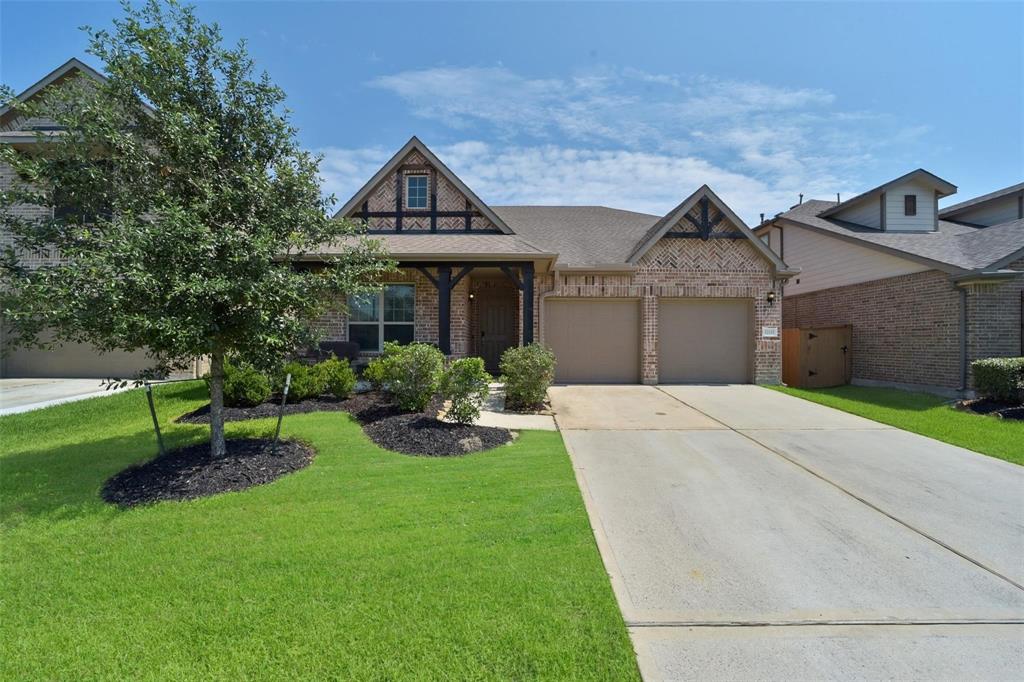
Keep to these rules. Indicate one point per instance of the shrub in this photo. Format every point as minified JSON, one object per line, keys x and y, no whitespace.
{"x":306,"y":382}
{"x":338,"y":377}
{"x":413,"y":374}
{"x":527,"y":372}
{"x":465,"y":384}
{"x":243,"y":385}
{"x":999,"y":378}
{"x":375,"y":372}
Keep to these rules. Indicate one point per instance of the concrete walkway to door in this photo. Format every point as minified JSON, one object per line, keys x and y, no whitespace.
{"x":750,"y":534}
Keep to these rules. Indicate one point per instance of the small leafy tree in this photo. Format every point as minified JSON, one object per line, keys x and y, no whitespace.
{"x":193,"y":210}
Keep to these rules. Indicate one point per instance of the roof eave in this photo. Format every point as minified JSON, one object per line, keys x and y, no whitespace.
{"x":986,"y":276}
{"x":597,"y":267}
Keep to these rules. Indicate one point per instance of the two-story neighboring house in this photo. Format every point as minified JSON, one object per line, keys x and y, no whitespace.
{"x":68,"y":360}
{"x":926,"y":290}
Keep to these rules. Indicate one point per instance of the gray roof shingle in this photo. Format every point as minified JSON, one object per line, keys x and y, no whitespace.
{"x":956,"y":208}
{"x":961,"y":246}
{"x":581,"y":235}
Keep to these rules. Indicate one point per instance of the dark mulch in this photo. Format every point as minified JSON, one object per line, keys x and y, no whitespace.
{"x":365,"y":407}
{"x":420,"y":434}
{"x":387,"y":425}
{"x":189,"y":472}
{"x":992,"y":407}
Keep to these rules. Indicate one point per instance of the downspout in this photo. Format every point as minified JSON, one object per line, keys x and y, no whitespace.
{"x":963,"y":339}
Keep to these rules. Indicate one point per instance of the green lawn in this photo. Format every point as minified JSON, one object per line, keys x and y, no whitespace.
{"x":366,"y":565}
{"x":926,"y":414}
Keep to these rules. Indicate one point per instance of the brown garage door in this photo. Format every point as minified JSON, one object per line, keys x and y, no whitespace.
{"x":704,"y":340}
{"x":594,"y":340}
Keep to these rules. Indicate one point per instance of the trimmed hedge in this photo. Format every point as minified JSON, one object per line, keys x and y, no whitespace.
{"x":999,"y":378}
{"x":307,"y":382}
{"x":243,"y":385}
{"x":465,"y":384}
{"x":411,"y":373}
{"x":527,"y":372}
{"x":338,"y":376}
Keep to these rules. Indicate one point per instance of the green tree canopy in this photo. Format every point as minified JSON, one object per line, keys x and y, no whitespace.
{"x":190,"y":213}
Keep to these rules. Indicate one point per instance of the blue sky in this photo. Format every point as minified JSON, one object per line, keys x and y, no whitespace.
{"x":626,"y":105}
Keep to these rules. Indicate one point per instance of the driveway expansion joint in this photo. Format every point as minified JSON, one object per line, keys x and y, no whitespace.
{"x":807,"y":623}
{"x":747,"y":434}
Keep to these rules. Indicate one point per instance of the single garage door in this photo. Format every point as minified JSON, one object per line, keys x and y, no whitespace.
{"x":594,"y":340}
{"x":705,"y":340}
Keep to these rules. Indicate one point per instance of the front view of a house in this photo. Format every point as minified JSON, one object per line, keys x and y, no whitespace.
{"x":621,"y":297}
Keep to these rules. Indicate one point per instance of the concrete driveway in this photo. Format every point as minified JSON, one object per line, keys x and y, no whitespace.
{"x":25,"y":395}
{"x":750,"y":534}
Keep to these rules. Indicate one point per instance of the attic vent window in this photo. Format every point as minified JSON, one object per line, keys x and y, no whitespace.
{"x":416,"y":191}
{"x":909,"y":204}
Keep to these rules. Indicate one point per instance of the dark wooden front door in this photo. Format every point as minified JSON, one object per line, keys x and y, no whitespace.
{"x":497,"y":309}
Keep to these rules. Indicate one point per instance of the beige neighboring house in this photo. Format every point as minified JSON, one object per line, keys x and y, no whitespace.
{"x":620,"y":296}
{"x":69,"y":360}
{"x":926,"y":290}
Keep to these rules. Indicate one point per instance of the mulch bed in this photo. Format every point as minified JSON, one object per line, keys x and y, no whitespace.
{"x":362,"y":406}
{"x":992,"y":407}
{"x":189,"y":472}
{"x":386,"y":424}
{"x":421,"y":434}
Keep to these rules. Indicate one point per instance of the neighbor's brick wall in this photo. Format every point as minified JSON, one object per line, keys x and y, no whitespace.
{"x":906,"y":329}
{"x":8,"y":179}
{"x":718,"y":268}
{"x":994,"y":318}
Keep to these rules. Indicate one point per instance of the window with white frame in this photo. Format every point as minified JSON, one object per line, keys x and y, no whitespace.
{"x":386,"y":316}
{"x":416,"y":191}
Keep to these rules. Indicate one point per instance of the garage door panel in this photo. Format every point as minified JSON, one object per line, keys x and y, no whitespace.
{"x":704,"y":340}
{"x":594,"y":340}
{"x":72,"y":361}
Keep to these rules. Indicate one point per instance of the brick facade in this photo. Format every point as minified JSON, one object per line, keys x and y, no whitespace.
{"x":8,"y":180}
{"x":334,"y":324}
{"x":994,"y":318}
{"x":906,"y":329}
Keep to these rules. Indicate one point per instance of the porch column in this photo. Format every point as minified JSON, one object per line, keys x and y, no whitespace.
{"x":527,"y":303}
{"x":444,"y":309}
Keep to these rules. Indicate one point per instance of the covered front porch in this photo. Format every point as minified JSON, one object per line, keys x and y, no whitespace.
{"x":483,"y":307}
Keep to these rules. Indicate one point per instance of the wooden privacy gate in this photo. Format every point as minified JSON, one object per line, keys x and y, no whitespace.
{"x":817,"y":357}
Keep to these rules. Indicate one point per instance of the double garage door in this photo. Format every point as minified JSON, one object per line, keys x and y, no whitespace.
{"x":597,"y":340}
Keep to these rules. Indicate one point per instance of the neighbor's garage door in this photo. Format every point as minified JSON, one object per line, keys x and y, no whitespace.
{"x":704,"y":340}
{"x":73,"y":361}
{"x":594,"y":340}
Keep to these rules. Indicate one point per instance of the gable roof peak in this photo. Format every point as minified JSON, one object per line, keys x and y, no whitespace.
{"x":671,"y":218}
{"x":71,"y":65}
{"x":944,"y":188}
{"x":416,"y":144}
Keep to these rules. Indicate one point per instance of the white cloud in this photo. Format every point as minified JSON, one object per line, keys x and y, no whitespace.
{"x":553,"y":175}
{"x":636,"y":140}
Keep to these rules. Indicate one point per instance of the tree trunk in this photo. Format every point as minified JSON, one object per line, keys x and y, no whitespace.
{"x":218,"y":448}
